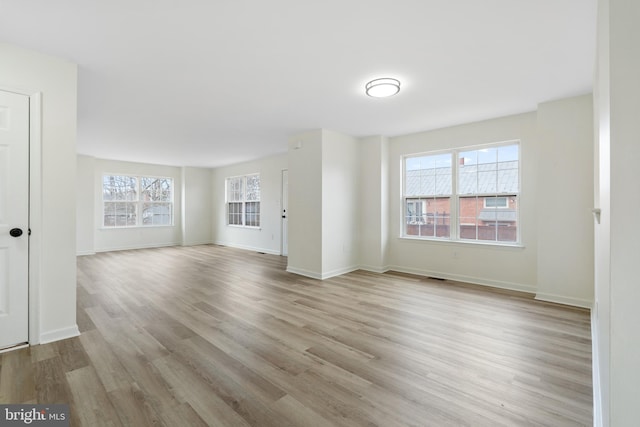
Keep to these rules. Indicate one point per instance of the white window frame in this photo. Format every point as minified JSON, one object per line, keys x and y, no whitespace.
{"x":454,"y":235}
{"x":506,"y":204}
{"x":139,"y":202}
{"x":254,"y":220}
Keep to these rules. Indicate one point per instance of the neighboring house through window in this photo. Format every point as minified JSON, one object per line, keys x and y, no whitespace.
{"x":243,"y":200}
{"x":137,"y":201}
{"x":466,"y":194}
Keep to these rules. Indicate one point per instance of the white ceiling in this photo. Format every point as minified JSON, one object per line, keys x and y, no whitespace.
{"x":215,"y":82}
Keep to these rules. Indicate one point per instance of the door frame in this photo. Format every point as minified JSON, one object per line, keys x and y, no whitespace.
{"x":35,"y":214}
{"x":35,"y":210}
{"x":282,"y":198}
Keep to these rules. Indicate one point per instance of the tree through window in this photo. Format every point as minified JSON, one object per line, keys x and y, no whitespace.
{"x":132,"y":201}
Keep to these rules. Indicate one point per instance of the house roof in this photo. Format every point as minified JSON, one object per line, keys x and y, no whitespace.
{"x":490,"y":178}
{"x":500,"y":215}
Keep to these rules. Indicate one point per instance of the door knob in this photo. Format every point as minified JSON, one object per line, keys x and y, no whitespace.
{"x":15,"y":232}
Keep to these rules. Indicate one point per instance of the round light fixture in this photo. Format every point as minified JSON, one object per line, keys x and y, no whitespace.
{"x":381,"y":88}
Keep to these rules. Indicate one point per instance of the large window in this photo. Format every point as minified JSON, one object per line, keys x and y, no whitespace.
{"x":137,"y":201}
{"x":467,"y":194}
{"x":243,"y":201}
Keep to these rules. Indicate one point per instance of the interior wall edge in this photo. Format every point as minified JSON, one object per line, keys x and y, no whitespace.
{"x":59,"y":334}
{"x":560,"y":299}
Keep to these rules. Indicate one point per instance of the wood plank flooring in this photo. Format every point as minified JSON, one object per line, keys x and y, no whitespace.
{"x":208,"y":335}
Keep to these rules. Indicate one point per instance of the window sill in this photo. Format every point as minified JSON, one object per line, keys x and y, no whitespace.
{"x":467,"y":243}
{"x":135,"y":227}
{"x":244,"y":226}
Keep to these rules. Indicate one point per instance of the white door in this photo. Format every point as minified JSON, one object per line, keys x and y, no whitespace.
{"x":285,"y":212}
{"x":14,"y":219}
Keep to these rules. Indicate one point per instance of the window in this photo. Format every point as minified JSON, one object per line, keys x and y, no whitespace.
{"x":468,"y":194}
{"x":428,"y":191}
{"x":243,"y":201}
{"x":135,"y":201}
{"x":496,"y":202}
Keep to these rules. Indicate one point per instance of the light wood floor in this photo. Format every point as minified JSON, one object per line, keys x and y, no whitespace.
{"x":223,"y":337}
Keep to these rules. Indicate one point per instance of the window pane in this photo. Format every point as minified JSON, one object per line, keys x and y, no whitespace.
{"x":234,"y":216}
{"x":428,"y":175}
{"x":252,"y":215}
{"x":413,"y":216}
{"x":118,"y":187}
{"x":487,"y":174}
{"x":468,"y":228}
{"x":426,"y":230}
{"x":508,"y":179}
{"x":507,"y":221}
{"x":109,"y":214}
{"x":508,"y":153}
{"x":468,"y":172}
{"x":156,"y":189}
{"x":487,"y":156}
{"x":157,"y":213}
{"x":487,"y":178}
{"x":253,"y":188}
{"x":468,"y":211}
{"x":440,"y":208}
{"x":234,"y":189}
{"x":125,"y":214}
{"x":428,"y":216}
{"x":489,"y":218}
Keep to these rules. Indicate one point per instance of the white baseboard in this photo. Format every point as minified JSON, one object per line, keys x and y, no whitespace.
{"x":559,"y":299}
{"x":133,"y":247}
{"x":374,"y":269}
{"x":322,"y":276}
{"x":247,"y":248}
{"x":85,"y":253}
{"x":466,"y":279}
{"x":339,"y":272}
{"x":303,"y":272}
{"x":197,"y":243}
{"x":59,"y":334}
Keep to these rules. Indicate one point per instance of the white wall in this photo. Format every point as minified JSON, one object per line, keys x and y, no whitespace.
{"x":53,"y":199}
{"x":324,"y":208}
{"x":340,"y":207}
{"x":374,"y":203}
{"x":197,"y":193}
{"x":86,"y":194}
{"x":305,"y":204}
{"x":500,"y":266}
{"x":564,"y":149}
{"x":268,"y":237}
{"x":624,"y":287}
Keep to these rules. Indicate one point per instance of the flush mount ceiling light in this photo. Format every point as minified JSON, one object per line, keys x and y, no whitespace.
{"x":381,"y":88}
